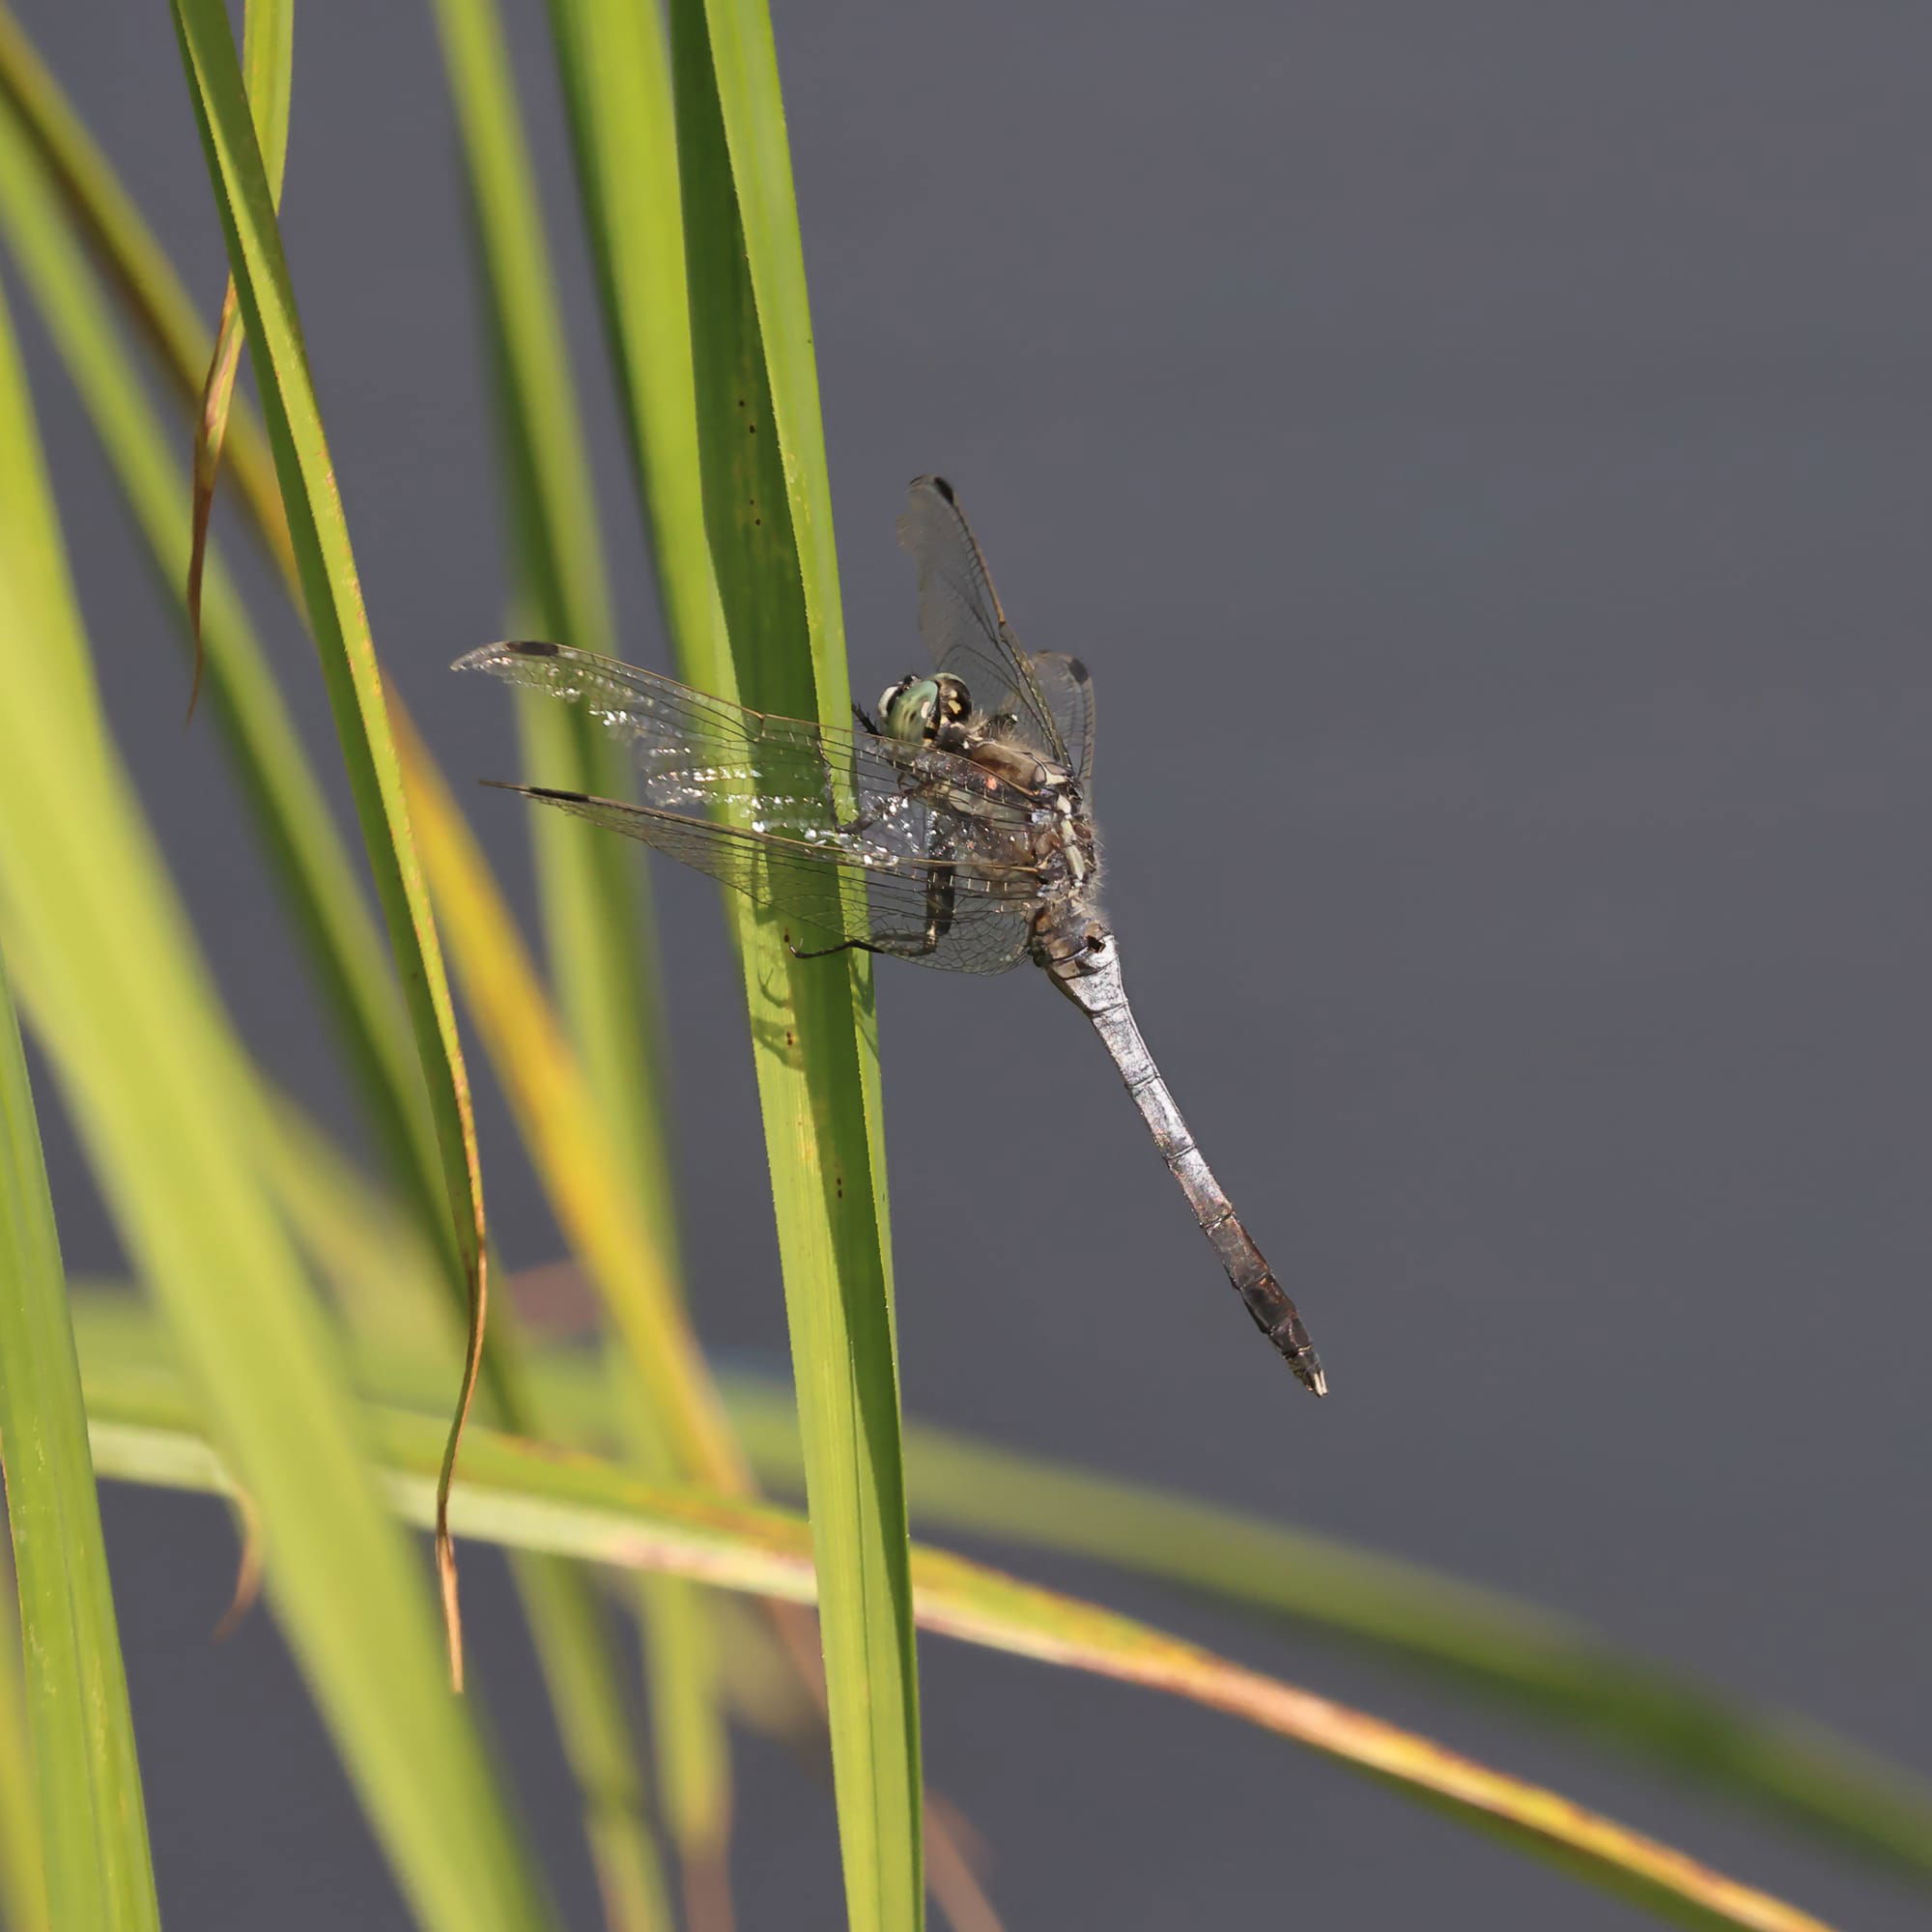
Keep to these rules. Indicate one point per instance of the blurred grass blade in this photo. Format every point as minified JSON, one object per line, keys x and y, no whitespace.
{"x":614,"y":65}
{"x":92,"y":1822}
{"x":333,"y":597}
{"x":768,"y":519}
{"x":23,"y":1891}
{"x":154,"y":1081}
{"x":592,"y":892}
{"x":529,"y":1495}
{"x":268,"y":62}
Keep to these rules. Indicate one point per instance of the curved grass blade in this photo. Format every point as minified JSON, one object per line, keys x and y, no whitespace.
{"x":1498,"y":1646}
{"x":529,"y":1495}
{"x":593,"y":896}
{"x":334,"y":598}
{"x":93,"y":1848}
{"x":268,"y":64}
{"x":1549,"y":1667}
{"x":159,"y":1093}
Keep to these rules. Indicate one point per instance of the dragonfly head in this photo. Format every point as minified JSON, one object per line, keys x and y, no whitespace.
{"x":917,"y":709}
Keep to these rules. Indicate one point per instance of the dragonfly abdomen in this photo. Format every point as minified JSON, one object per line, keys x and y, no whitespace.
{"x":1089,"y":973}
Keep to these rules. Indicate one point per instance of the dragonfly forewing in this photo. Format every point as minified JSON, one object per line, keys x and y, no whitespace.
{"x":962,"y":623}
{"x":861,"y":839}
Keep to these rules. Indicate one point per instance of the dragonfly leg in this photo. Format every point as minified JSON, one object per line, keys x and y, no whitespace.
{"x":890,"y":944}
{"x":940,"y":894}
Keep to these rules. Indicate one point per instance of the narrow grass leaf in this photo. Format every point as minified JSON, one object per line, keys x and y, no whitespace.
{"x":268,"y":63}
{"x":154,"y":1081}
{"x":334,"y":599}
{"x":766,"y":506}
{"x":93,"y":1847}
{"x":531,"y":1496}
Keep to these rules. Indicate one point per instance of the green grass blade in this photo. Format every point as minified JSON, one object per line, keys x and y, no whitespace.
{"x":593,"y":892}
{"x":664,"y":215}
{"x":528,"y":1495}
{"x":268,"y":63}
{"x":154,"y":1083}
{"x":615,"y":70}
{"x":332,"y":596}
{"x":93,"y":1825}
{"x":768,"y":519}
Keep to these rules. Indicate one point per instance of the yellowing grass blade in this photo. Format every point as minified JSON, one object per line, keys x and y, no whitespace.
{"x":154,"y":1081}
{"x":529,"y":1496}
{"x":267,"y":60}
{"x":334,"y":598}
{"x":93,"y":1848}
{"x":559,"y":1122}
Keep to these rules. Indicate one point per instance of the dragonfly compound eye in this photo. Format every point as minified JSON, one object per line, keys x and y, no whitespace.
{"x":955,"y":702}
{"x":905,"y":709}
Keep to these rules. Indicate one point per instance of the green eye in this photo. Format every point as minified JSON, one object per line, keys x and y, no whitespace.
{"x":905,"y":710}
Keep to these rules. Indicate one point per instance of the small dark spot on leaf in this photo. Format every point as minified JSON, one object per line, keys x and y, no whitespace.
{"x":791,"y":1038}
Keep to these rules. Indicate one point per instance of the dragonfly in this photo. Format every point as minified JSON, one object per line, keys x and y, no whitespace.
{"x":952,"y":829}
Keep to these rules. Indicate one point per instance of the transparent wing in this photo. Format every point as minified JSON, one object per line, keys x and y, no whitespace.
{"x":935,"y":911}
{"x":876,"y":798}
{"x":962,"y":623}
{"x":1068,"y":691}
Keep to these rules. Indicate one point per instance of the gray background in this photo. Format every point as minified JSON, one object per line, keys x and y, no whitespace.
{"x":1481,"y":451}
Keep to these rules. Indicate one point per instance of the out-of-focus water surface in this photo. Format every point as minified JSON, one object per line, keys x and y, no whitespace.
{"x":1482,"y":451}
